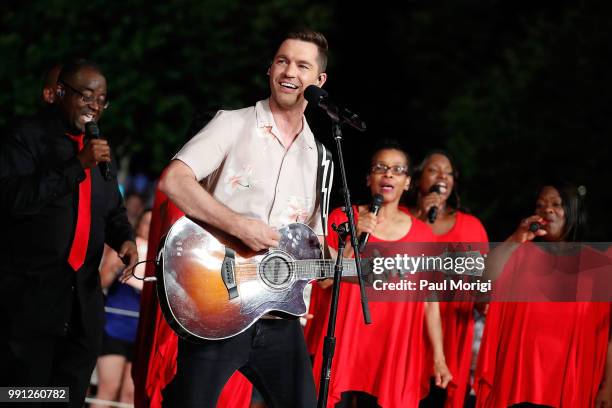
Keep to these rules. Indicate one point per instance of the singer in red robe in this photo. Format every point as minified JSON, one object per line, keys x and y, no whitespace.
{"x":546,"y":353}
{"x":383,"y":359}
{"x":436,"y":187}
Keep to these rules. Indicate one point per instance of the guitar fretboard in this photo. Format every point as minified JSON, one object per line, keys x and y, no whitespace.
{"x":323,"y":268}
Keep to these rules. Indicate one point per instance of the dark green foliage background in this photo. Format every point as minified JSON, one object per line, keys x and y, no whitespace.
{"x":517,"y":91}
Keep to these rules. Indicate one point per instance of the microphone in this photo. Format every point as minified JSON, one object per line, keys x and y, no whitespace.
{"x":320,"y":97}
{"x":534,"y":226}
{"x":432,"y":214}
{"x":377,"y":201}
{"x":93,"y":132}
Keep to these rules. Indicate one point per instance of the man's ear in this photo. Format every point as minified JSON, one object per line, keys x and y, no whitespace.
{"x":321,"y":79}
{"x":49,"y":94}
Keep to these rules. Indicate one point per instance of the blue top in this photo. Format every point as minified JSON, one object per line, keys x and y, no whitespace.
{"x":118,"y":325}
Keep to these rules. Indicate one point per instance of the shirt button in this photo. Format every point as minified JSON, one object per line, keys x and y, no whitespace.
{"x":66,"y":327}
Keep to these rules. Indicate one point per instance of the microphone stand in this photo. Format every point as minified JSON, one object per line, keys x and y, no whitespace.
{"x":329,"y":344}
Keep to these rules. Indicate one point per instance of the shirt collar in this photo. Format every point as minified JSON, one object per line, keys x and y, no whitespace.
{"x":305,"y":139}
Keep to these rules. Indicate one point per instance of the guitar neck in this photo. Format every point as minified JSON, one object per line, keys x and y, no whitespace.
{"x":324,"y":268}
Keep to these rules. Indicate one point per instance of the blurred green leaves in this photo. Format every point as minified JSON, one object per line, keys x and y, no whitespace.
{"x":518,"y":91}
{"x":162,"y":60}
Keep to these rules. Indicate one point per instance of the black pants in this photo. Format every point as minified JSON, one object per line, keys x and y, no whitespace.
{"x":436,"y":397}
{"x":50,"y":360}
{"x":271,"y":354}
{"x":357,"y":399}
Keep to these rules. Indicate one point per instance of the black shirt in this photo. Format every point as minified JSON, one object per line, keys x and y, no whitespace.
{"x":39,"y":190}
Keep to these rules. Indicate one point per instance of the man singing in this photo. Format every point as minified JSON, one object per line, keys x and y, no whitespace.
{"x":248,"y":172}
{"x":58,"y":212}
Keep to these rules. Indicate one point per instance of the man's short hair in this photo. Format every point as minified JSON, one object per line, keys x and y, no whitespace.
{"x":315,"y":37}
{"x":71,"y":68}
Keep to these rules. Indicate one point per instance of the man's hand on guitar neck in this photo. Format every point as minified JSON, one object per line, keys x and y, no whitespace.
{"x":256,"y":234}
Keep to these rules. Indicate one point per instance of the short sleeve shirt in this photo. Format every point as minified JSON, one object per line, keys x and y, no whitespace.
{"x":240,"y":160}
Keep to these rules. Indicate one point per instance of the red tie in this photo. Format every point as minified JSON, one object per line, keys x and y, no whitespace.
{"x":76,"y":258}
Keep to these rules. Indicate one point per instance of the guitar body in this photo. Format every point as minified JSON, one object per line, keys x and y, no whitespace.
{"x":211,"y":286}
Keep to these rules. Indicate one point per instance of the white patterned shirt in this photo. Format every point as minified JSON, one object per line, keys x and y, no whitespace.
{"x":239,"y":158}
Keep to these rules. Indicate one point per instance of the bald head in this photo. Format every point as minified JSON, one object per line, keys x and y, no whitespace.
{"x":74,"y":67}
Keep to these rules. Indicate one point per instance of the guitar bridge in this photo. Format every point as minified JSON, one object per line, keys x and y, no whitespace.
{"x":227,"y":273}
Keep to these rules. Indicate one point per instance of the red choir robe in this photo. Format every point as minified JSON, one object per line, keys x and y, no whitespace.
{"x":383,"y":359}
{"x":543,"y":352}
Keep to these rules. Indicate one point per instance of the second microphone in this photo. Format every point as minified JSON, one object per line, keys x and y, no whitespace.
{"x":92,"y":131}
{"x":377,"y":201}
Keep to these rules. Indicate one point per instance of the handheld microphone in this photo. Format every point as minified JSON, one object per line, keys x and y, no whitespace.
{"x":534,"y":226}
{"x":432,"y":214}
{"x":93,"y":132}
{"x":320,"y":97}
{"x":377,"y":201}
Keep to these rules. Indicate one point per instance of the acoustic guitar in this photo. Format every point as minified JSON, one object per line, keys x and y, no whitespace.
{"x":211,"y":286}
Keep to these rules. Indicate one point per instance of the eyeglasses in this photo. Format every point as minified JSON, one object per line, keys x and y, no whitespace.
{"x":380,"y":168}
{"x":88,"y":99}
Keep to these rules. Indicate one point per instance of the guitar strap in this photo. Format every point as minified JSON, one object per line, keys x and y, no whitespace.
{"x":325,"y":178}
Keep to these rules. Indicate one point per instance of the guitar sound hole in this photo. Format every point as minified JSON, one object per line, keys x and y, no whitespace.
{"x":276,"y":272}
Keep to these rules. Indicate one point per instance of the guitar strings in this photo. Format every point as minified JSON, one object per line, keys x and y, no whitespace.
{"x":302,"y":268}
